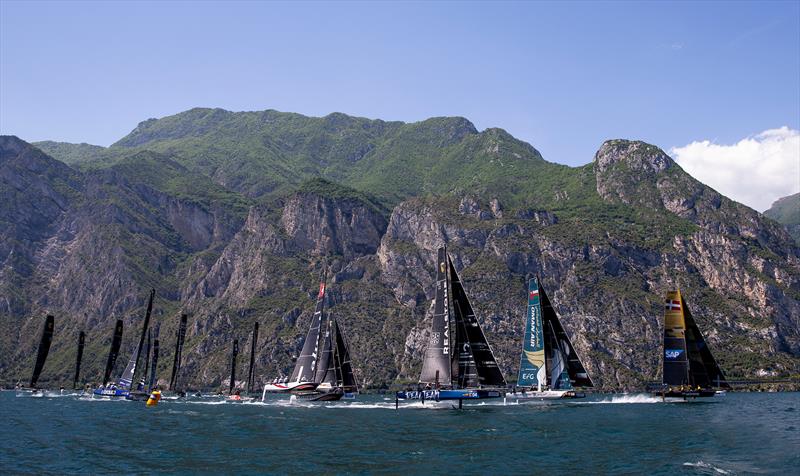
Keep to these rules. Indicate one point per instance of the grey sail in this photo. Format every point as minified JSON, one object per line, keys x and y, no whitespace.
{"x":436,"y":366}
{"x":113,"y":352}
{"x":326,"y":370}
{"x":306,"y":366}
{"x":78,"y":358}
{"x":126,"y":380}
{"x":44,"y":349}
{"x":476,"y":365}
{"x":180,"y":336}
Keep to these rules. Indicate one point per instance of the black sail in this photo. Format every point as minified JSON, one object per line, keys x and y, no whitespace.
{"x":325,"y":371}
{"x":146,"y":375}
{"x":703,"y":368}
{"x":556,"y":338}
{"x":476,"y":363}
{"x":154,"y":363}
{"x":436,"y":366}
{"x":250,"y":373}
{"x":44,"y":349}
{"x":234,"y":354}
{"x":180,"y":336}
{"x":345,"y":376}
{"x":113,"y":352}
{"x":81,"y":342}
{"x":306,"y":365}
{"x":145,"y":326}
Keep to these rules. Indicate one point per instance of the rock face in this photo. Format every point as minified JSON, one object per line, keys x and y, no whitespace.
{"x":607,"y":241}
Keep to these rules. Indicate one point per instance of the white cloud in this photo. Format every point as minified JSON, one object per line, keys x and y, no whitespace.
{"x":755,"y":171}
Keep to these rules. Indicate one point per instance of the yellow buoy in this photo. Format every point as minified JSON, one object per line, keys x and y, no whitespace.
{"x":155,"y":396}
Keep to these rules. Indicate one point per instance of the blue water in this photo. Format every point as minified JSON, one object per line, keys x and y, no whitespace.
{"x":734,"y":434}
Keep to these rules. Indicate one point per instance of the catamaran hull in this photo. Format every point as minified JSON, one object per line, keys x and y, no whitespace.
{"x":686,"y":394}
{"x":547,"y":395}
{"x":290,"y":387}
{"x":457,"y":394}
{"x":110,"y":392}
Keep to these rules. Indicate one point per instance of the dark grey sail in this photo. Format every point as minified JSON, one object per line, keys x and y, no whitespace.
{"x":436,"y":366}
{"x":154,"y":363}
{"x":325,"y":360}
{"x":234,"y":355}
{"x":306,"y":366}
{"x":556,"y":339}
{"x":113,"y":352}
{"x":146,"y":375}
{"x":250,"y":373}
{"x":345,"y":377}
{"x":44,"y":349}
{"x":129,"y":375}
{"x":475,"y":365}
{"x":78,"y":358}
{"x":180,"y":336}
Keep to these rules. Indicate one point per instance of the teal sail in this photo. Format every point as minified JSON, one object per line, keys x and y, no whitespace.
{"x":532,"y":359}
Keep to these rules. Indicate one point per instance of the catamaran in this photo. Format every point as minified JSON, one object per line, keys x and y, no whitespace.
{"x":124,"y":386}
{"x":549,"y":367}
{"x":689,"y":369}
{"x":339,"y":380}
{"x":41,"y":356}
{"x":463,"y":368}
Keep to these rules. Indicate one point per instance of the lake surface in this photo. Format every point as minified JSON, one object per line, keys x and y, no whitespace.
{"x":732,"y":434}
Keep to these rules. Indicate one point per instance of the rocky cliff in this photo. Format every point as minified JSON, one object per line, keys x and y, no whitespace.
{"x":607,"y":239}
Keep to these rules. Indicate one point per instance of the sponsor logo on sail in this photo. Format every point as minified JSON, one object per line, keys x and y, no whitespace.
{"x":672,"y":305}
{"x":672,"y":354}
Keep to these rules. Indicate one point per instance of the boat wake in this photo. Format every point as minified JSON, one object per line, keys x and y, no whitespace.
{"x":706,"y":468}
{"x":631,"y":398}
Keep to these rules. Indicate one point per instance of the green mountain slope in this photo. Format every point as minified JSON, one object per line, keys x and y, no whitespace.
{"x":786,"y":211}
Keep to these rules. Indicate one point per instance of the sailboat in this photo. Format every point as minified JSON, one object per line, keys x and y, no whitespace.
{"x":549,"y":366}
{"x":689,"y":369}
{"x":306,"y":376}
{"x":339,"y":380}
{"x":463,"y":368}
{"x":124,"y":386}
{"x":180,"y":337}
{"x":41,"y":355}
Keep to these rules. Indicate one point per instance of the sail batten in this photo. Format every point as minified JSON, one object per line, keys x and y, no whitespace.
{"x":44,"y":349}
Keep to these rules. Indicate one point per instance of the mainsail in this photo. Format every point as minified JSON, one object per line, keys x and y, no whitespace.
{"x":548,"y":357}
{"x":234,"y":354}
{"x":476,"y":363}
{"x":180,"y":335}
{"x":154,"y":363}
{"x":253,"y":343}
{"x":126,"y":381}
{"x":687,"y":359}
{"x":532,"y":358}
{"x":113,"y":352}
{"x":44,"y":349}
{"x":78,"y":358}
{"x":436,"y":367}
{"x":325,"y":371}
{"x":305,"y":368}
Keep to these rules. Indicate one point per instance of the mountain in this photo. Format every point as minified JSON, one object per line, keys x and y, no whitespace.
{"x":70,"y":154}
{"x":232,"y":217}
{"x":786,"y":211}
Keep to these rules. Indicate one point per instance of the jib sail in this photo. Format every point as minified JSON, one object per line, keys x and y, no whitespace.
{"x":44,"y":349}
{"x":113,"y":352}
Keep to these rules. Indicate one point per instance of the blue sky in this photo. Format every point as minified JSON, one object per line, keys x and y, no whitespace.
{"x":562,"y":76}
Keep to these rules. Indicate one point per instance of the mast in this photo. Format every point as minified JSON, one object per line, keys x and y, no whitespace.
{"x":306,"y":366}
{"x":234,"y":354}
{"x":113,"y":352}
{"x":477,"y":365}
{"x":180,"y":335}
{"x":567,"y":368}
{"x":436,"y":366}
{"x":253,"y":343}
{"x":81,"y":342}
{"x":532,"y":358}
{"x":153,"y":378}
{"x":44,"y":349}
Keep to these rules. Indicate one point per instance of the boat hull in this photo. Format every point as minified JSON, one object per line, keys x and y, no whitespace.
{"x":453,"y":394}
{"x":686,"y":394}
{"x":290,"y":387}
{"x":110,"y":392}
{"x":546,"y":395}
